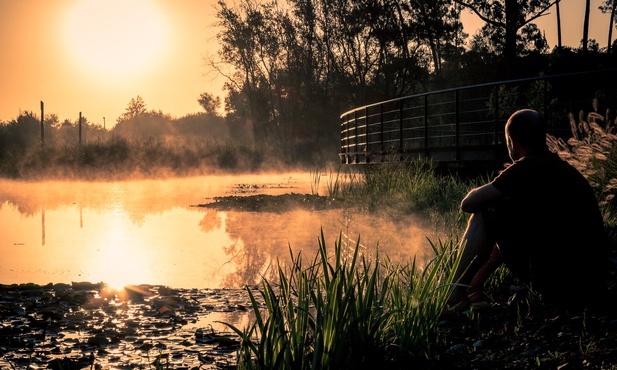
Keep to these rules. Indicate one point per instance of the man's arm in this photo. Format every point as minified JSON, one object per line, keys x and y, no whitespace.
{"x":480,"y":198}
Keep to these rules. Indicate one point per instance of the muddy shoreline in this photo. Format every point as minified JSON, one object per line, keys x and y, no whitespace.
{"x":86,"y":325}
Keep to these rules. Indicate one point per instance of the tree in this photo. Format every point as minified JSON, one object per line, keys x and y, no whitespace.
{"x":609,"y":6}
{"x":436,"y":23}
{"x":558,"y":14}
{"x":506,"y":18}
{"x":137,"y":122}
{"x":135,"y":108}
{"x":585,"y":40}
{"x":250,"y":43}
{"x":24,"y":131}
{"x":209,"y":103}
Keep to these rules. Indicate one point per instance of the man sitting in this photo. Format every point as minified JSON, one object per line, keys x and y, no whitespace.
{"x":541,"y":218}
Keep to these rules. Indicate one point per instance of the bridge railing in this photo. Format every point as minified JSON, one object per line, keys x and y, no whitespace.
{"x":463,"y":124}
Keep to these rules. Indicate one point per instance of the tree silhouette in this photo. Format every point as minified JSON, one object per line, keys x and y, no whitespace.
{"x":609,"y":6}
{"x":135,"y":108}
{"x":585,"y":41}
{"x":558,"y":15}
{"x":508,"y":17}
{"x":209,"y":103}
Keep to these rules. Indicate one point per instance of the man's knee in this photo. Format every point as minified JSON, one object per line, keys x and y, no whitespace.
{"x":477,"y":236}
{"x":477,"y":227}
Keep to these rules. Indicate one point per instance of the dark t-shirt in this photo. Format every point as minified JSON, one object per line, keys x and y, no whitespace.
{"x":550,"y":229}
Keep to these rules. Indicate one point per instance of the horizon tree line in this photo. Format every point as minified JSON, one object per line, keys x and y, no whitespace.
{"x":292,"y":67}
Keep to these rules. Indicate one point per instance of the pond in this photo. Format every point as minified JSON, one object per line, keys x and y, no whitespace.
{"x":151,"y":232}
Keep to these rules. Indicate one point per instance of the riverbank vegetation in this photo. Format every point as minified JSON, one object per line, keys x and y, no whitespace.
{"x":151,"y":149}
{"x":120,"y":158}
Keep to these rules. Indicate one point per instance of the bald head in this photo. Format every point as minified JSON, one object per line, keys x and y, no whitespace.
{"x":527,"y":127}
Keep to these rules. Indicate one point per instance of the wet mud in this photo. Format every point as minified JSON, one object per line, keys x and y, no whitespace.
{"x":85,"y":325}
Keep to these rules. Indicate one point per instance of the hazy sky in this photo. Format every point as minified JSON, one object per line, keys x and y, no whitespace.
{"x":93,"y":56}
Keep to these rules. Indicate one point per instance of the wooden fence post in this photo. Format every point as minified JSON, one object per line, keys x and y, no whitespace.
{"x":42,"y":126}
{"x":80,"y":128}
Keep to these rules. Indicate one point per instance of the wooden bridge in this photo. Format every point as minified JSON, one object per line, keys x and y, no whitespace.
{"x":464,"y":126}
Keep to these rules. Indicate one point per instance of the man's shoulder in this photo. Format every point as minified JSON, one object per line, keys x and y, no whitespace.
{"x":546,"y":163}
{"x":539,"y":172}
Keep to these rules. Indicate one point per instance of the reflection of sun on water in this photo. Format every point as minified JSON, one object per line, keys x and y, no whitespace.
{"x":120,"y":263}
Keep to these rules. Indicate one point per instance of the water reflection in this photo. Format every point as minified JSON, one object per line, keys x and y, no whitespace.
{"x":136,"y":232}
{"x":263,"y":238}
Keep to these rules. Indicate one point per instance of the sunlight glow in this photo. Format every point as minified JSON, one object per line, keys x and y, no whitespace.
{"x":120,"y":262}
{"x":115,"y":37}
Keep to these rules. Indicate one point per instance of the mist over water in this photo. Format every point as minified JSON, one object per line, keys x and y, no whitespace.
{"x":149,"y":232}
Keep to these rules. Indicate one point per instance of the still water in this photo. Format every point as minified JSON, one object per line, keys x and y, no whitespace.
{"x":150,"y":232}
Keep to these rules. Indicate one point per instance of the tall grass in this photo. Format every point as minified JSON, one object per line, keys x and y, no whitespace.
{"x":315,"y":180}
{"x":592,"y":149}
{"x":341,"y":182}
{"x":416,"y":185}
{"x":417,"y":297}
{"x":346,"y":311}
{"x":401,"y":188}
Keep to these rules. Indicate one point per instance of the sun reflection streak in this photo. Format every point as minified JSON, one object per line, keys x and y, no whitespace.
{"x":119,"y":262}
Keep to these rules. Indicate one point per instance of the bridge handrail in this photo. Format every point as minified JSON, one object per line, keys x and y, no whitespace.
{"x":486,"y":84}
{"x":389,"y":130}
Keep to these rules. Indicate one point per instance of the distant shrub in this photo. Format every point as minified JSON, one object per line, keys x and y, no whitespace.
{"x":227,"y":157}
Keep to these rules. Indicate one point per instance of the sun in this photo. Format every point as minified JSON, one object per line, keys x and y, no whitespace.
{"x":115,"y":37}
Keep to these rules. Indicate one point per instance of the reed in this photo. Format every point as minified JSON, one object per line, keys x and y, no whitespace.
{"x":315,"y":180}
{"x":334,"y":183}
{"x":417,"y":297}
{"x":592,"y":149}
{"x":345,"y":310}
{"x":400,"y":186}
{"x":416,"y":187}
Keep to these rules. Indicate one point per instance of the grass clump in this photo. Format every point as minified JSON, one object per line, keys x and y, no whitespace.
{"x":345,"y":310}
{"x":400,"y":188}
{"x":417,"y":185}
{"x":341,"y":182}
{"x":592,"y":149}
